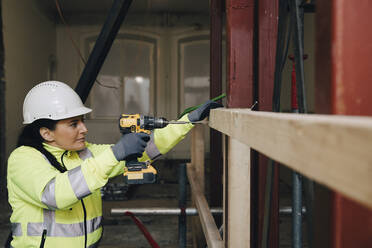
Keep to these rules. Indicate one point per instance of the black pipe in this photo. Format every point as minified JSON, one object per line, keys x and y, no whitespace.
{"x":298,"y":43}
{"x":182,"y":205}
{"x":103,"y":44}
{"x":297,"y":12}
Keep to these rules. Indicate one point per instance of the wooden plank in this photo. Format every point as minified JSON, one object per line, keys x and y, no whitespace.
{"x":239,"y":194}
{"x":209,"y":226}
{"x":197,"y":163}
{"x":197,"y":152}
{"x":332,"y":150}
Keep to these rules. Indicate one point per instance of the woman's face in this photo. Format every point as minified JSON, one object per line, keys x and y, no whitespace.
{"x":69,"y":134}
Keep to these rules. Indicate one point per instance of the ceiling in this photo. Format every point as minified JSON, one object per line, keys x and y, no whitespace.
{"x":74,"y":7}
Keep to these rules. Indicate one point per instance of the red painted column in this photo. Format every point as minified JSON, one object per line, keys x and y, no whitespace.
{"x":240,"y":59}
{"x":343,"y":86}
{"x":267,"y":37}
{"x":215,"y":178}
{"x":240,"y":29}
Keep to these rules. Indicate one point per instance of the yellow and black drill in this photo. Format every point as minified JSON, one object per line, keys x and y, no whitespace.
{"x":141,"y":172}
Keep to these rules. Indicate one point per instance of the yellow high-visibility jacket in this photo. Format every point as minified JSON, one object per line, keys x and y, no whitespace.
{"x":50,"y":204}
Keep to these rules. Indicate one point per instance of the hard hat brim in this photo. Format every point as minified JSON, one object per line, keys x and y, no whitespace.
{"x":73,"y":113}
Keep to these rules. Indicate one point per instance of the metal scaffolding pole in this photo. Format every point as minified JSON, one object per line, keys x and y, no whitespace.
{"x":161,"y":211}
{"x":284,"y":211}
{"x":298,"y":105}
{"x":182,"y":224}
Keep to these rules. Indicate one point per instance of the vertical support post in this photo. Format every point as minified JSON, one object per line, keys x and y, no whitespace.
{"x":2,"y":112}
{"x":182,"y":201}
{"x":296,"y":210}
{"x":240,"y":89}
{"x":225,"y":190}
{"x":215,"y":178}
{"x":239,"y":191}
{"x":267,"y":39}
{"x":240,"y":30}
{"x":298,"y":42}
{"x":197,"y":161}
{"x":343,"y":76}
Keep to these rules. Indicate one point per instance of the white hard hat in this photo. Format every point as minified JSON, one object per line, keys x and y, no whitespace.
{"x":52,"y":100}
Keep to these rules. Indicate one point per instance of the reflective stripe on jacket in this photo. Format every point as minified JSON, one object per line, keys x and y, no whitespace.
{"x":42,"y":198}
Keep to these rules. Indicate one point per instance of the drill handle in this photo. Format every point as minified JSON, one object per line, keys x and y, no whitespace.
{"x":132,"y":164}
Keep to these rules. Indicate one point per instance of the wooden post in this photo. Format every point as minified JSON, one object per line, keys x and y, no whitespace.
{"x":210,"y":229}
{"x":239,"y":190}
{"x":197,"y":164}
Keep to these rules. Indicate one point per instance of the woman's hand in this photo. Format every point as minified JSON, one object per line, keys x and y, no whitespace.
{"x":202,"y":112}
{"x":130,"y":145}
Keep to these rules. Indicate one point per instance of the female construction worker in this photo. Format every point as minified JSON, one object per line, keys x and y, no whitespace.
{"x":54,"y":175}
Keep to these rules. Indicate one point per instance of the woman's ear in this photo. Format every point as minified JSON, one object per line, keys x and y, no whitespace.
{"x":47,"y":134}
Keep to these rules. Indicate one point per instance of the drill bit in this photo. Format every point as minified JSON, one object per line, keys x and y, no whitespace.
{"x":187,"y":122}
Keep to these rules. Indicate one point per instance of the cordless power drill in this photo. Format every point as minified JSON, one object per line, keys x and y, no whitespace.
{"x":140,"y":172}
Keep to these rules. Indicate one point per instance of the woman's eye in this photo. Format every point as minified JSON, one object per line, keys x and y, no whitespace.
{"x":74,"y":124}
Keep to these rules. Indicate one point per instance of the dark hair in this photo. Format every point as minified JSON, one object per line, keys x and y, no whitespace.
{"x":30,"y":136}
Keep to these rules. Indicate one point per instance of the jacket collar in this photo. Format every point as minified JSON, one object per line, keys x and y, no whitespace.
{"x":56,"y":151}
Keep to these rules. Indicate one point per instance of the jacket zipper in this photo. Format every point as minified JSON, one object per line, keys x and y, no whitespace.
{"x":85,"y":224}
{"x":84,"y":211}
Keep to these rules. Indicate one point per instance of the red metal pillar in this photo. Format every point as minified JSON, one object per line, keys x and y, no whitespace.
{"x":240,"y":29}
{"x":343,"y":86}
{"x":240,"y":58}
{"x":215,"y":179}
{"x":267,"y":37}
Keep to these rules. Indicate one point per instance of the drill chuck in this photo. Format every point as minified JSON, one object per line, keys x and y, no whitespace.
{"x":150,"y":123}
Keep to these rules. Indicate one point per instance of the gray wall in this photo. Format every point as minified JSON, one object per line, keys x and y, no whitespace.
{"x":167,"y":83}
{"x":29,"y":40}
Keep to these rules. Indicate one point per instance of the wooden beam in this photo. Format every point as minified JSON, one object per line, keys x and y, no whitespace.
{"x":198,"y":152}
{"x":239,"y":194}
{"x":197,"y":163}
{"x":209,"y":226}
{"x":332,"y":150}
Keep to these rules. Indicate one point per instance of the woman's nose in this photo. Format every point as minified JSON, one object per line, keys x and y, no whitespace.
{"x":83,"y":128}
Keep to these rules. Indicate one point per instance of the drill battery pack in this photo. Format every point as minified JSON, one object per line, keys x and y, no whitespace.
{"x":140,"y":173}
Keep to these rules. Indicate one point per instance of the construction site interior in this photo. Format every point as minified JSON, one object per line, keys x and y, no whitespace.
{"x":299,"y":57}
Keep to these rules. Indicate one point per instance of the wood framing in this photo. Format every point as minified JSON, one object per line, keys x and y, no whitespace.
{"x":195,"y":174}
{"x":239,"y":196}
{"x":332,"y":150}
{"x":209,"y":226}
{"x":197,"y":165}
